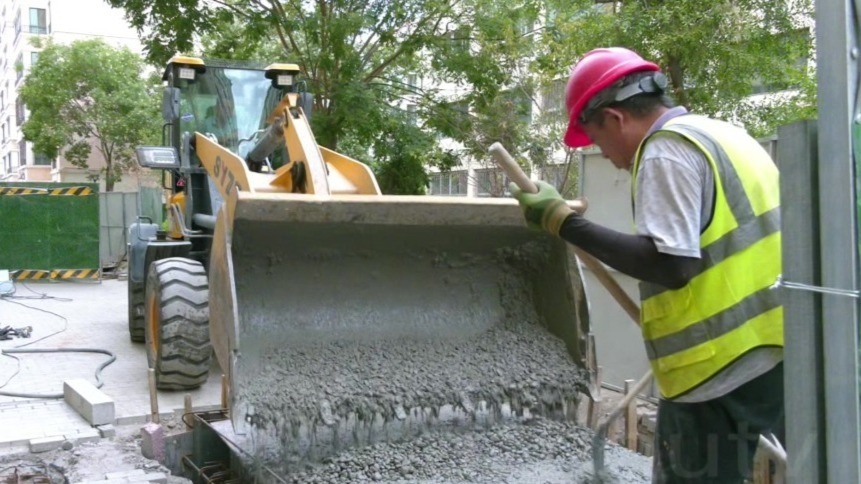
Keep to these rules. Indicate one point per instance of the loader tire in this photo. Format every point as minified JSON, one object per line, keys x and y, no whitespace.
{"x":137,"y":321}
{"x":177,"y":323}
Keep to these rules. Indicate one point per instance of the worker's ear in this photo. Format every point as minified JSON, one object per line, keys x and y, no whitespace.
{"x":615,"y":117}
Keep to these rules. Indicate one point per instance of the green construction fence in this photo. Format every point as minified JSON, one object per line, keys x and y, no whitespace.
{"x":49,"y":230}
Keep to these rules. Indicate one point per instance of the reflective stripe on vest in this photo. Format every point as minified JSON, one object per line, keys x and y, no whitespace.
{"x":727,"y":308}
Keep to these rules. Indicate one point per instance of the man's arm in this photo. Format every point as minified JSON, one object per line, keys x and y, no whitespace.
{"x":634,"y":255}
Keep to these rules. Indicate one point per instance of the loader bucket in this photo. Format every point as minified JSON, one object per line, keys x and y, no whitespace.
{"x":346,"y":320}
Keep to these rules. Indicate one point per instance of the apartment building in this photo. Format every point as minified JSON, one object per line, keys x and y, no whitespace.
{"x":64,"y":21}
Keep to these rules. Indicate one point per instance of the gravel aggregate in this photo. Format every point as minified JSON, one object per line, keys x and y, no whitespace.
{"x":358,"y":392}
{"x":534,"y":450}
{"x":413,"y":396}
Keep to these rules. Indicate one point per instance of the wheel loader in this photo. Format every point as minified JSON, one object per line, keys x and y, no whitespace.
{"x":275,"y":243}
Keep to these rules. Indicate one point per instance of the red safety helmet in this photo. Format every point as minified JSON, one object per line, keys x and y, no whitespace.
{"x":598,"y":69}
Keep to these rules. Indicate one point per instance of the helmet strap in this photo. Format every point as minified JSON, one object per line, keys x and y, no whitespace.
{"x":654,"y":84}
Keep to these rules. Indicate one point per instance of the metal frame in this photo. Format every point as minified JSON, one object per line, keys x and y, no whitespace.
{"x":805,"y":440}
{"x":837,"y":70}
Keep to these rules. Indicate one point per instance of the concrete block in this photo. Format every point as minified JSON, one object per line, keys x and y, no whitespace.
{"x":84,"y":435}
{"x":106,"y":481}
{"x":135,"y":473}
{"x":155,"y":478}
{"x":106,"y":431}
{"x":152,"y":441}
{"x":648,"y":422}
{"x":46,"y":444}
{"x":96,"y":407}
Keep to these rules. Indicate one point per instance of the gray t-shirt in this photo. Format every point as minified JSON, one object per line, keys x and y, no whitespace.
{"x":673,"y":204}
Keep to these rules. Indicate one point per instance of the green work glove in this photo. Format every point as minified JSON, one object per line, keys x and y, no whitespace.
{"x":545,"y":210}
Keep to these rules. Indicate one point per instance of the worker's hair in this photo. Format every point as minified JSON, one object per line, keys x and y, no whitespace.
{"x":639,"y":105}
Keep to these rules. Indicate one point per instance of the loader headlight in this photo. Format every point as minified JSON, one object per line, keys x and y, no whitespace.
{"x":186,"y":73}
{"x":157,"y":156}
{"x":284,"y":80}
{"x":283,"y":76}
{"x":183,"y":68}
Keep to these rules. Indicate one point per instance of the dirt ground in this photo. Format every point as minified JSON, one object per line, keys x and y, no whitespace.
{"x":89,"y":461}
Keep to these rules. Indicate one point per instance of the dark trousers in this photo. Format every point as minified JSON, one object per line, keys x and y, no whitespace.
{"x":715,"y":441}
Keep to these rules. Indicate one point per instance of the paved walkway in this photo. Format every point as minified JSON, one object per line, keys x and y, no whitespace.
{"x":95,"y":317}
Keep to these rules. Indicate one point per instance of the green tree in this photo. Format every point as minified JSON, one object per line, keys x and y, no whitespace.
{"x":343,"y":47}
{"x":716,"y":54}
{"x":355,"y":56}
{"x":506,"y":99}
{"x":89,"y":95}
{"x":488,"y":60}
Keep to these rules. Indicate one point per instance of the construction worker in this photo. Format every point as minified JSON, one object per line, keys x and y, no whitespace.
{"x":706,"y":250}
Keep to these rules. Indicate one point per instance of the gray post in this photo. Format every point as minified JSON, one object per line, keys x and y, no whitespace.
{"x":837,"y":70}
{"x":799,"y":208}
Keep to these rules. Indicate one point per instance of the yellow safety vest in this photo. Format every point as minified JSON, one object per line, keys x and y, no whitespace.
{"x":728,"y":308}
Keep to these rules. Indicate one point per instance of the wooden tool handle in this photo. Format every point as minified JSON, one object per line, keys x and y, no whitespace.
{"x":515,"y":174}
{"x":610,"y":284}
{"x":512,"y":169}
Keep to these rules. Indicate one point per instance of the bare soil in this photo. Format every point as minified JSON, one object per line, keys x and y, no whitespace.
{"x":89,"y":461}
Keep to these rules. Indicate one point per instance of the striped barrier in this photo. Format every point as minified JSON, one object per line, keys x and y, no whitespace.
{"x":72,"y":191}
{"x":23,"y":191}
{"x":65,"y":191}
{"x":57,"y":275}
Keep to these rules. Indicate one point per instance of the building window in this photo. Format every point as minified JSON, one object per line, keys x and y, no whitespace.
{"x":448,"y":183}
{"x":38,"y":21}
{"x":412,"y":117}
{"x":22,"y":153}
{"x":19,"y":67}
{"x":17,"y":25}
{"x":40,"y":159}
{"x":553,"y":97}
{"x":521,"y":104}
{"x":490,"y":182}
{"x":34,"y":56}
{"x":19,"y":111}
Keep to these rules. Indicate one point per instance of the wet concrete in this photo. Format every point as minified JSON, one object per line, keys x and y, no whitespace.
{"x":349,"y":336}
{"x":528,"y":451}
{"x":316,"y":399}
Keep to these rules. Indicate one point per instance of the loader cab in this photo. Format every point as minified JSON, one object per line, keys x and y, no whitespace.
{"x":228,"y":102}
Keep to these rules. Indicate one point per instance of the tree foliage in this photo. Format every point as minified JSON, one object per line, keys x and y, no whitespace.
{"x":89,"y":95}
{"x":486,"y":62}
{"x":716,"y":54}
{"x":353,"y":54}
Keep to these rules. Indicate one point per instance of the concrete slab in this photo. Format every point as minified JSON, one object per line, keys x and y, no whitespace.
{"x":79,"y":315}
{"x":46,"y":444}
{"x":107,"y":430}
{"x":93,"y":404}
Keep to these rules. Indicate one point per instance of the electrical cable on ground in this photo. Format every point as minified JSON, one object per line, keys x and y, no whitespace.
{"x":13,"y":352}
{"x":18,"y":349}
{"x":65,"y":321}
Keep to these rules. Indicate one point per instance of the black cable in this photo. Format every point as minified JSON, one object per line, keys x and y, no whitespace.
{"x":17,"y":370}
{"x":12,"y":352}
{"x":17,"y":349}
{"x":41,"y":295}
{"x":65,"y":321}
